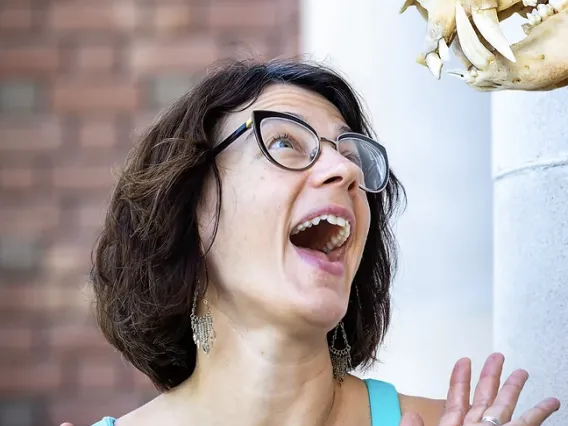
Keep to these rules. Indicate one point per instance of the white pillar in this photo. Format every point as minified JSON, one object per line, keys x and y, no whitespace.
{"x":438,"y":137}
{"x":530,"y":148}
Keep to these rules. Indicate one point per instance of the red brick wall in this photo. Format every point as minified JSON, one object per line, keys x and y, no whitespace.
{"x":77,"y":78}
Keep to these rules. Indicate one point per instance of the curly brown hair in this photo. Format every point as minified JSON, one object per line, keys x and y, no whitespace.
{"x":149,"y":254}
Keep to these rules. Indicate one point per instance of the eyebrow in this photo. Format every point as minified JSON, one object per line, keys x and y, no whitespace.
{"x":342,"y":128}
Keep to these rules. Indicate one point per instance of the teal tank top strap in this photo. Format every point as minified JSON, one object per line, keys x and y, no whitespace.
{"x":106,"y":421}
{"x":384,"y":403}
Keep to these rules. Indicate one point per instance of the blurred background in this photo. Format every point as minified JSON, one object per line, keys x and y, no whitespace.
{"x":483,"y":242}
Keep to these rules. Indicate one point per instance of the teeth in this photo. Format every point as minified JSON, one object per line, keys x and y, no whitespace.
{"x":434,"y":64}
{"x":337,"y":240}
{"x":487,"y":23}
{"x":558,"y":5}
{"x":544,"y":11}
{"x":471,"y":46}
{"x":443,"y":50}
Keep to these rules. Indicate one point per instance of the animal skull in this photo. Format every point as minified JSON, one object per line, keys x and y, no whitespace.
{"x":539,"y":62}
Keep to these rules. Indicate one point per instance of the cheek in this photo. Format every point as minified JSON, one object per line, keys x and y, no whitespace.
{"x":364,"y":217}
{"x":253,"y":205}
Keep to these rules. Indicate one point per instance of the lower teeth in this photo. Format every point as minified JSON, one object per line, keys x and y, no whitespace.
{"x":544,"y":11}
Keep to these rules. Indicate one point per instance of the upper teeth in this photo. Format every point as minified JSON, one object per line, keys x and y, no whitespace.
{"x":335,"y":241}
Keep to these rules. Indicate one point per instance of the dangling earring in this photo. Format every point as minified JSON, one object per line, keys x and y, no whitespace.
{"x":340,"y":358}
{"x":203,"y":332}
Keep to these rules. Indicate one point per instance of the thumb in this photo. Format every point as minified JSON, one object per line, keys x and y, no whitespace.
{"x":66,"y":424}
{"x":408,"y":419}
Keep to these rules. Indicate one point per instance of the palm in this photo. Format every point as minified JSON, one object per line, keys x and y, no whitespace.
{"x":488,"y":399}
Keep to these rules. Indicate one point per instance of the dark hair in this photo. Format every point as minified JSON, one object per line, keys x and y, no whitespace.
{"x":148,"y":256}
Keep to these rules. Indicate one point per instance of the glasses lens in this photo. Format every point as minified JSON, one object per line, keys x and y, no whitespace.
{"x":370,"y":158}
{"x":289,"y":143}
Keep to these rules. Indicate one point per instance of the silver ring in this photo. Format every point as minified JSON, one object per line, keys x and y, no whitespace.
{"x":493,"y":420}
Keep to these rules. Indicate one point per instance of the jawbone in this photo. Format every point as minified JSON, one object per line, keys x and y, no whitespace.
{"x":537,"y":63}
{"x":541,"y":62}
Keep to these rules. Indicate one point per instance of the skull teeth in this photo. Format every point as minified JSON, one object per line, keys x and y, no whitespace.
{"x":544,"y":11}
{"x":343,"y":225}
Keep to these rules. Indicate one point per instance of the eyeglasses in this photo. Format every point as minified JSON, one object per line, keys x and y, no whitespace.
{"x":292,"y":144}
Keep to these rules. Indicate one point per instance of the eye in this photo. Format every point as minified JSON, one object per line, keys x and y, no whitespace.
{"x":283,"y":141}
{"x":354,"y":158}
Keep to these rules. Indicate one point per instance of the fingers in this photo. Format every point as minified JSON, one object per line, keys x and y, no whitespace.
{"x":487,"y":387}
{"x":411,"y":419}
{"x":457,"y":400}
{"x":538,"y":414}
{"x":508,"y":397}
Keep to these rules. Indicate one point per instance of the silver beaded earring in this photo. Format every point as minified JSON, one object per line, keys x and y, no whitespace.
{"x":340,"y":358}
{"x":202,"y":326}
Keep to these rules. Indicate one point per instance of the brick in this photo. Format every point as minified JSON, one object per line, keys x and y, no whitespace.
{"x":19,"y":254}
{"x":141,"y":381}
{"x":185,"y":55}
{"x":97,"y":374}
{"x":63,"y":258}
{"x":92,"y":96}
{"x":16,"y":298}
{"x":246,"y":45}
{"x":28,"y":60}
{"x":18,"y":96}
{"x":83,"y":178}
{"x":19,"y":412}
{"x":47,"y":297}
{"x":38,"y":133}
{"x":77,"y":338}
{"x":165,"y":89}
{"x":86,"y":411}
{"x":27,"y":221}
{"x":16,"y":179}
{"x":91,"y":216}
{"x":100,"y":132}
{"x":96,"y":58}
{"x":16,"y":17}
{"x":15,"y":337}
{"x":171,"y":19}
{"x":30,"y":378}
{"x":243,"y":15}
{"x":90,"y":17}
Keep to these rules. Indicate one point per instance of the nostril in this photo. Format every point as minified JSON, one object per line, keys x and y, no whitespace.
{"x":353,"y":186}
{"x":334,"y":179}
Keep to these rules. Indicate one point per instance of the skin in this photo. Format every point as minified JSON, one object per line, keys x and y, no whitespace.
{"x":271,"y":310}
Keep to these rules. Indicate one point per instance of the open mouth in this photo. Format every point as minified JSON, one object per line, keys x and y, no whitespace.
{"x":325,"y":233}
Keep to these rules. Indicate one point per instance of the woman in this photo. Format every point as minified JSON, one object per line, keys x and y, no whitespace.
{"x":246,"y":258}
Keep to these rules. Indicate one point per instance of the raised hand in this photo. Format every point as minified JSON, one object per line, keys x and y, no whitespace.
{"x":491,"y":406}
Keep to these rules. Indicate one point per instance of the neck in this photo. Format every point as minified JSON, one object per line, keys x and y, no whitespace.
{"x":262,"y":376}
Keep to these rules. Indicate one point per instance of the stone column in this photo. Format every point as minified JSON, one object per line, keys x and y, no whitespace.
{"x":530,"y":149}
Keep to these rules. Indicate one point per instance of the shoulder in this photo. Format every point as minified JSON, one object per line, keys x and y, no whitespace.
{"x":430,"y":410}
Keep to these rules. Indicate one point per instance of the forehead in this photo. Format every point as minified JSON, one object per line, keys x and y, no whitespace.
{"x":320,"y":113}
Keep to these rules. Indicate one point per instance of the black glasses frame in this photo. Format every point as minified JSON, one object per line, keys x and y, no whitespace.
{"x":258,"y":115}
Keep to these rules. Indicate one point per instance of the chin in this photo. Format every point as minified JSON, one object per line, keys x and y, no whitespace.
{"x":323,"y":308}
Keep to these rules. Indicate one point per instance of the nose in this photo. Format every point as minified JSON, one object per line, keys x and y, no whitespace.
{"x":333,"y":169}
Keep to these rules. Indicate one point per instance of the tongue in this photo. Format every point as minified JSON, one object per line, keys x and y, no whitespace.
{"x":332,"y":256}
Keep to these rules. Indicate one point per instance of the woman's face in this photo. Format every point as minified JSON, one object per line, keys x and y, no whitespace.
{"x":260,"y":275}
